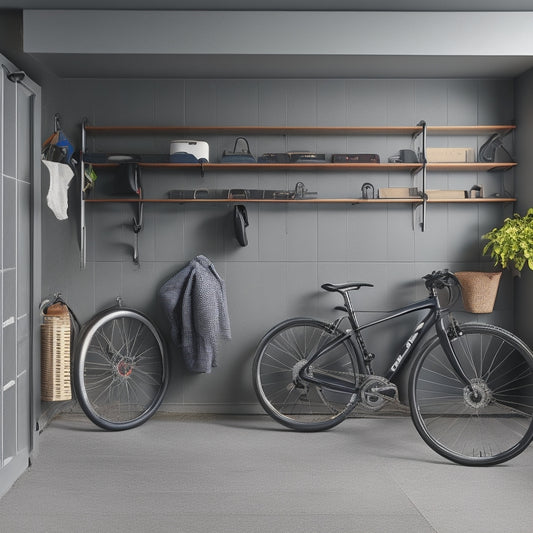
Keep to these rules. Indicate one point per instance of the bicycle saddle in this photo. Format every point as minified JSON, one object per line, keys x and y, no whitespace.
{"x":342,"y":287}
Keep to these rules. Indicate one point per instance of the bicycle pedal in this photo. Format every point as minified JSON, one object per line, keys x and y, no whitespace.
{"x":387,"y":392}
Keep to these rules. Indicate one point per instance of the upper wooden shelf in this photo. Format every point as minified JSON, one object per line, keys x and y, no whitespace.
{"x":303,"y":130}
{"x":470,"y":130}
{"x":259,"y":130}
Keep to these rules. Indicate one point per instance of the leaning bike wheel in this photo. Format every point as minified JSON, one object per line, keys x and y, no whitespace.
{"x":492,"y":420}
{"x":288,"y":398}
{"x":120,"y":369}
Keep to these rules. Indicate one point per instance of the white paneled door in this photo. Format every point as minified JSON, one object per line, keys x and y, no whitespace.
{"x":19,"y":118}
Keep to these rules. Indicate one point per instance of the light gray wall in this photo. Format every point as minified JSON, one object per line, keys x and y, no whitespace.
{"x":293,"y":249}
{"x":524,"y":187}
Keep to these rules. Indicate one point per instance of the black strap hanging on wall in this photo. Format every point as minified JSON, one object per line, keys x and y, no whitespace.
{"x":240,"y":223}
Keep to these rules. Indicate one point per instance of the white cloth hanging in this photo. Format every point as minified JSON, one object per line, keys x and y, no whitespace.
{"x":57,"y":197}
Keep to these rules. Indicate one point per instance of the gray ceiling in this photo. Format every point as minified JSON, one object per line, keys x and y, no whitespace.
{"x":174,"y":65}
{"x":278,"y":5}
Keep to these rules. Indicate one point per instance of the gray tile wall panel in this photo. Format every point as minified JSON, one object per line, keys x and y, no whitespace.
{"x":302,"y":227}
{"x":272,"y":103}
{"x":200,"y":102}
{"x":366,"y":102}
{"x":169,"y":102}
{"x":292,"y":248}
{"x":463,"y":103}
{"x":431,"y":102}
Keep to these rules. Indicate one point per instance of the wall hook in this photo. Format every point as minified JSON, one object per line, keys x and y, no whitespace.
{"x":57,"y":122}
{"x":137,"y":227}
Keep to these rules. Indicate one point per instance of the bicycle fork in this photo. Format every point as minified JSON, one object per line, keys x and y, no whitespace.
{"x":445,"y":335}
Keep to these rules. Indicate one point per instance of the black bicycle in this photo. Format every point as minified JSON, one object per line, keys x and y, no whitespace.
{"x":470,"y":387}
{"x":120,"y":368}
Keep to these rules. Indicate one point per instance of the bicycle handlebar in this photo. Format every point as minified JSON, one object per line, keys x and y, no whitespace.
{"x":441,"y":279}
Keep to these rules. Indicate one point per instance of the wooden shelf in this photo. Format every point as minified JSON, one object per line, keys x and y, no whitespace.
{"x":378,"y":167}
{"x":304,"y":201}
{"x":256,"y":130}
{"x":469,"y":130}
{"x":303,"y":130}
{"x":370,"y":167}
{"x":469,"y":167}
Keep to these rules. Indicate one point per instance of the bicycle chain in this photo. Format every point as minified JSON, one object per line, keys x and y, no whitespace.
{"x":365,"y":378}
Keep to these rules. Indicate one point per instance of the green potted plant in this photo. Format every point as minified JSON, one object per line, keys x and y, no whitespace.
{"x":511,"y":247}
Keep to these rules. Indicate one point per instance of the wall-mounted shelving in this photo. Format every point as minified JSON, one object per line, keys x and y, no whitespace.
{"x":422,"y":167}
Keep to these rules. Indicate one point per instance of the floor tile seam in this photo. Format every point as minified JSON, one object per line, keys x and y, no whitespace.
{"x":416,"y":507}
{"x":78,"y":513}
{"x":71,"y":492}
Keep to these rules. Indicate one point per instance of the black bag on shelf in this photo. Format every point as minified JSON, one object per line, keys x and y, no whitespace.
{"x":244,"y":156}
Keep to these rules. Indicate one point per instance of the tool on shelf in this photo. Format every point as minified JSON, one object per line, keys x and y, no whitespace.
{"x":298,"y":193}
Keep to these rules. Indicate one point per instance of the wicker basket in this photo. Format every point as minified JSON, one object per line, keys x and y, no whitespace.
{"x":55,"y":354}
{"x":479,"y":290}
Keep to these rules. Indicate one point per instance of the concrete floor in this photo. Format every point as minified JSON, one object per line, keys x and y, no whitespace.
{"x":247,"y":474}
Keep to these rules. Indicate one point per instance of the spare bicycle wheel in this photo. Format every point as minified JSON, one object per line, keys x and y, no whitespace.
{"x":120,"y":369}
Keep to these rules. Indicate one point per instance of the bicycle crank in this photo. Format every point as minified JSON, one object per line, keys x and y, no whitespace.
{"x":377,"y":391}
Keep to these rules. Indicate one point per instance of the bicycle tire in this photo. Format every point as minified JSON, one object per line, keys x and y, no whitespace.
{"x":120,"y":369}
{"x":491,"y":428}
{"x":288,"y":399}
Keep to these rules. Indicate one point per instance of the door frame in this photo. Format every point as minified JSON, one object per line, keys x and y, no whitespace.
{"x":10,"y":472}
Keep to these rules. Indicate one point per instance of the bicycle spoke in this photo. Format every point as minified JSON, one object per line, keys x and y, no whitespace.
{"x":491,"y":419}
{"x":121,"y":370}
{"x":282,"y":367}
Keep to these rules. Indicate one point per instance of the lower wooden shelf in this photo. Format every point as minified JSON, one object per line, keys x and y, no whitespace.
{"x":301,"y":201}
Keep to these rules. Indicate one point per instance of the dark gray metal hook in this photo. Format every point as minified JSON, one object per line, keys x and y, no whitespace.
{"x":57,"y":122}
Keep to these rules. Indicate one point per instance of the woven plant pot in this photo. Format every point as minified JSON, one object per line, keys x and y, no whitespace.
{"x":479,"y":290}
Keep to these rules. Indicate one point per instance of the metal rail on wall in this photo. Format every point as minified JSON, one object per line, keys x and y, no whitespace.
{"x":423,"y":160}
{"x":83,"y":229}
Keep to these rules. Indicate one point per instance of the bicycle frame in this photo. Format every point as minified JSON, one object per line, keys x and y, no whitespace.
{"x":433,"y":318}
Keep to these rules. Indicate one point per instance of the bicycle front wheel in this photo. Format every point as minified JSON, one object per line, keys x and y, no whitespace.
{"x":488,"y":422}
{"x":120,"y":369}
{"x":296,"y":402}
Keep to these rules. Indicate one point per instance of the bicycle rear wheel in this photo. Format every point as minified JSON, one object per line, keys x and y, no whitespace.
{"x":489,"y":424}
{"x":285,"y":396}
{"x":120,"y":369}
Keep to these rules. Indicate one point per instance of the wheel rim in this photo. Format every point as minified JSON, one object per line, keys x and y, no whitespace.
{"x":122,"y":370}
{"x":489,"y":421}
{"x":281,"y":389}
